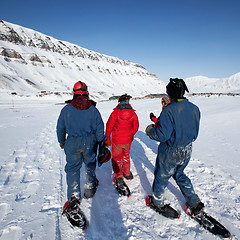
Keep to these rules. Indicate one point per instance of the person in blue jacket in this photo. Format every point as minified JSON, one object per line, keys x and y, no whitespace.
{"x":178,"y":128}
{"x":80,"y":129}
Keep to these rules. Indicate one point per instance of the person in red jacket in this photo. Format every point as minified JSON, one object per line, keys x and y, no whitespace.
{"x":122,"y":124}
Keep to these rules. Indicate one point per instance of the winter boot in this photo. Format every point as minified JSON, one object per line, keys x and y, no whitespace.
{"x":74,"y":214}
{"x":166,"y":210}
{"x":194,"y":211}
{"x":89,"y":192}
{"x":129,"y":177}
{"x":121,"y":187}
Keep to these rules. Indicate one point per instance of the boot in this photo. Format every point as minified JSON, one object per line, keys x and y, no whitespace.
{"x":166,"y":210}
{"x":89,"y":192}
{"x":197,"y":209}
{"x":129,"y":177}
{"x":121,"y":187}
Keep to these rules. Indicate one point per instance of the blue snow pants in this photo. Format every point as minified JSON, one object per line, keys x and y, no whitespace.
{"x":171,"y":162}
{"x":80,"y":150}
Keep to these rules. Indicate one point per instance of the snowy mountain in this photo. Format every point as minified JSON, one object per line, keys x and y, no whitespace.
{"x":31,"y":62}
{"x":201,"y":84}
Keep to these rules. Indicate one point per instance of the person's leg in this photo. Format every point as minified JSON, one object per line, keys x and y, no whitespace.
{"x":74,"y":161}
{"x":126,"y":159}
{"x":185,"y":185}
{"x":163,"y":171}
{"x":117,"y":154}
{"x":182,"y":155}
{"x":160,"y":182}
{"x":89,"y":158}
{"x":90,"y":173}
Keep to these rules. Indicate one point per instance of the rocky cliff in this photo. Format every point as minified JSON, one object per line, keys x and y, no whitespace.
{"x":31,"y":62}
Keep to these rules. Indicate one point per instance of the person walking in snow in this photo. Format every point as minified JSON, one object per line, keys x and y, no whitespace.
{"x":165,"y":101}
{"x":178,"y":128}
{"x":121,"y":127}
{"x":80,"y":129}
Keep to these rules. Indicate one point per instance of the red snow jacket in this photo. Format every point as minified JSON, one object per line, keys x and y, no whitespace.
{"x":122,"y":123}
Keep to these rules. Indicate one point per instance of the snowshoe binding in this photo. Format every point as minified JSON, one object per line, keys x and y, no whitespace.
{"x":209,"y":223}
{"x":89,"y":192}
{"x":166,"y":210}
{"x":121,"y":187}
{"x":74,"y":214}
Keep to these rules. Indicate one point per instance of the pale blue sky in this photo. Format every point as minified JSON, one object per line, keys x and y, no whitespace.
{"x":171,"y":38}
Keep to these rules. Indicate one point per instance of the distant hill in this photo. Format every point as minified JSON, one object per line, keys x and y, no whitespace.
{"x":201,"y":84}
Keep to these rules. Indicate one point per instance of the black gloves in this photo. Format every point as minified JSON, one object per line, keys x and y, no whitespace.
{"x":152,"y":116}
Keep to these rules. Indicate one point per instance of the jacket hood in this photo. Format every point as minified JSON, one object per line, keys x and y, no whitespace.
{"x":125,"y":111}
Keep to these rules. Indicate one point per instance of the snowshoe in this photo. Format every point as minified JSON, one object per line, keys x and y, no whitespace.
{"x":89,"y":192}
{"x":166,"y":210}
{"x":129,"y":177}
{"x":209,"y":223}
{"x":121,"y":187}
{"x":74,"y":214}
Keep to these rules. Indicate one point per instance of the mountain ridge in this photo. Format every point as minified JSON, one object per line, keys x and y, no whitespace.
{"x":49,"y":64}
{"x":42,"y":41}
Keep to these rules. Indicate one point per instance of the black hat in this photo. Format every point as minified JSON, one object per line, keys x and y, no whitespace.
{"x":176,"y":88}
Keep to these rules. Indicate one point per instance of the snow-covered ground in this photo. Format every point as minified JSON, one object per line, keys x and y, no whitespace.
{"x":33,"y":187}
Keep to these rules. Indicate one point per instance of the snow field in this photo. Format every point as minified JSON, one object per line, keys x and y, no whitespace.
{"x":33,"y":186}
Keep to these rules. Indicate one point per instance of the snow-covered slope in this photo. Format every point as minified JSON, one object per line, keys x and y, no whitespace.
{"x":31,"y":62}
{"x":201,"y":84}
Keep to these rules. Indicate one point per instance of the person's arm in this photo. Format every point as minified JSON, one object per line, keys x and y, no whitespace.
{"x":110,"y":123}
{"x":135,"y":124}
{"x":163,"y":132}
{"x":61,"y":130}
{"x":100,"y":128}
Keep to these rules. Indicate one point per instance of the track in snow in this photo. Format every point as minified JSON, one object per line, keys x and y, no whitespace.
{"x":33,"y":191}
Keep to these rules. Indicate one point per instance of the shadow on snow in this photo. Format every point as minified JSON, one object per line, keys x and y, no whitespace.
{"x":140,"y":161}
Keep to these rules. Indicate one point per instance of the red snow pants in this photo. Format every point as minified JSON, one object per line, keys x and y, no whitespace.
{"x":121,"y":159}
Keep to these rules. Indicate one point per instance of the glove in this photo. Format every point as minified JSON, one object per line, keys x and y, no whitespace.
{"x":61,"y":145}
{"x":156,"y":125}
{"x":153,"y":117}
{"x":108,"y":141}
{"x":148,"y":128}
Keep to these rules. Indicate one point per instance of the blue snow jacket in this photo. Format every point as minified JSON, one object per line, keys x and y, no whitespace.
{"x":86,"y":123}
{"x":178,"y":124}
